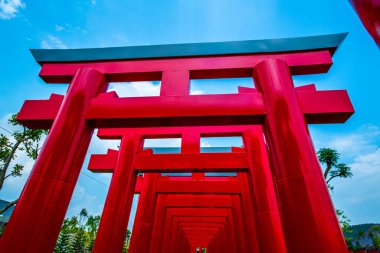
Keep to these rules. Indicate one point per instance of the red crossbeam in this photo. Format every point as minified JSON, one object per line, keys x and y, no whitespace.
{"x":216,"y":187}
{"x":229,"y":109}
{"x":198,"y":201}
{"x":198,"y":162}
{"x":199,"y":67}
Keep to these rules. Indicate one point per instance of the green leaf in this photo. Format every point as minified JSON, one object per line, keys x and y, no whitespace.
{"x":17,"y":169}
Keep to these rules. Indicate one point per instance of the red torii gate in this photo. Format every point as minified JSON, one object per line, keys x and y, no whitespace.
{"x":275,"y":104}
{"x":267,"y":216}
{"x":143,"y":227}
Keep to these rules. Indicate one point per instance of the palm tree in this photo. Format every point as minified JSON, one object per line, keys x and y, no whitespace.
{"x":79,"y":240}
{"x":92,"y":225}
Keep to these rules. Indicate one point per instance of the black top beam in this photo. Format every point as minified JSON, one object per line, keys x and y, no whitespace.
{"x":330,"y":42}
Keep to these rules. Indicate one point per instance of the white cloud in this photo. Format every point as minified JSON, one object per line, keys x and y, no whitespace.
{"x":4,"y":120}
{"x":70,"y":28}
{"x":100,"y":146}
{"x":360,"y":149}
{"x":135,"y":89}
{"x":13,"y":185}
{"x":9,"y":8}
{"x":52,"y":42}
{"x":59,"y":28}
{"x":196,"y":92}
{"x":367,"y":164}
{"x":142,"y":89}
{"x":205,"y":144}
{"x":119,"y":38}
{"x":163,"y":143}
{"x":363,"y":140}
{"x":82,"y":199}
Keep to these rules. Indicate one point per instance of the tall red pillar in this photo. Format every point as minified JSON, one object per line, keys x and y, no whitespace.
{"x":143,"y":225}
{"x":158,"y":226}
{"x":232,"y":232}
{"x":309,"y":220}
{"x":248,"y":214}
{"x":47,"y":193}
{"x":167,"y":234}
{"x":266,"y":214}
{"x":114,"y":221}
{"x":238,"y":222}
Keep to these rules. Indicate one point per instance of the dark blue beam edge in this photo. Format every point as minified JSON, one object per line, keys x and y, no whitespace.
{"x":330,"y":42}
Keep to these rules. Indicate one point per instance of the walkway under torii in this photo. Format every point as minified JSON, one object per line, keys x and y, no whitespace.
{"x":278,"y":202}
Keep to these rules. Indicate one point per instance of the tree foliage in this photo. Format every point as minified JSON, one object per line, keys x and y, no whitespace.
{"x":22,"y":139}
{"x":78,"y":234}
{"x":374,"y":235}
{"x":63,"y":242}
{"x":334,"y":169}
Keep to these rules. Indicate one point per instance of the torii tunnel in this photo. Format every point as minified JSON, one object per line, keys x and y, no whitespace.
{"x":277,"y":202}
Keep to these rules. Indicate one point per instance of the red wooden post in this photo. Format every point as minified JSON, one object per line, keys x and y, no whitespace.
{"x":267,"y":217}
{"x":168,"y":227}
{"x":175,"y":83}
{"x":158,"y":227}
{"x":191,"y":143}
{"x":306,"y":207}
{"x":232,"y":232}
{"x":238,"y":222}
{"x":142,"y":228}
{"x":39,"y":213}
{"x":248,"y":214}
{"x":114,"y":221}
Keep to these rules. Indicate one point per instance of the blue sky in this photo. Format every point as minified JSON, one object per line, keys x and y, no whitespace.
{"x":98,"y":23}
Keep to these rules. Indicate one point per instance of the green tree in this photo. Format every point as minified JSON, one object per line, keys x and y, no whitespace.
{"x":125,"y":247}
{"x":83,"y":214}
{"x":345,"y":226}
{"x":90,"y":244}
{"x":127,"y":241}
{"x":78,"y":234}
{"x":68,"y":230}
{"x":340,"y":170}
{"x":92,"y":225}
{"x":359,"y":236}
{"x":329,"y":157}
{"x":374,"y":235}
{"x":128,"y":236}
{"x":63,"y":242}
{"x":78,"y":243}
{"x":344,"y":221}
{"x":21,"y":140}
{"x":333,"y":169}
